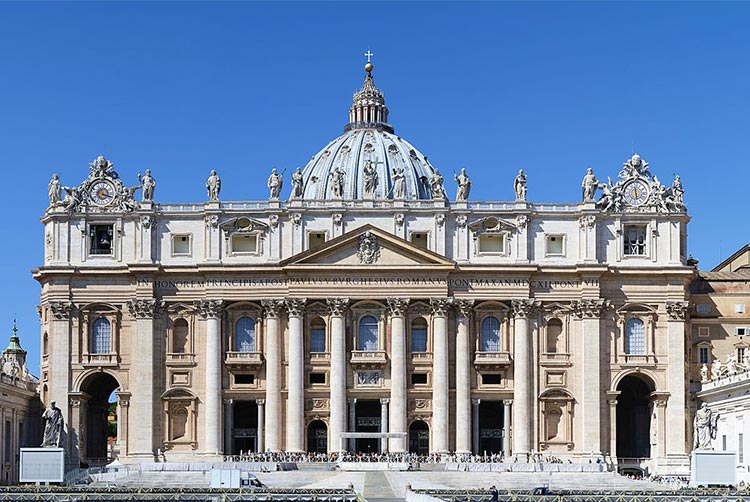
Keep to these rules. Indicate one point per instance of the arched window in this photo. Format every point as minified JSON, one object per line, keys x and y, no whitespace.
{"x":635,"y":337}
{"x":45,"y":344}
{"x":317,"y":335}
{"x":102,"y":337}
{"x":419,"y":335}
{"x":490,"y":334}
{"x":180,"y":336}
{"x":179,"y":423}
{"x":554,"y":332}
{"x":244,"y":335}
{"x":368,"y":334}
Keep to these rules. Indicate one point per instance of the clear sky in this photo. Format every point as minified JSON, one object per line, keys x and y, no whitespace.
{"x":553,"y":88}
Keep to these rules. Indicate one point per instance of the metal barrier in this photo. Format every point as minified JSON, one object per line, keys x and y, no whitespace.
{"x":718,"y":495}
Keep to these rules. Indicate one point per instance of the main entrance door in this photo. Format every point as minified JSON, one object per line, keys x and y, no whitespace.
{"x":419,"y":438}
{"x":245,"y":427}
{"x":317,"y":437}
{"x":490,"y":427}
{"x":633,"y":418}
{"x":367,"y":420}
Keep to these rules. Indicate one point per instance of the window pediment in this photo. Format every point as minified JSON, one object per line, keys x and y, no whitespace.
{"x":491,"y":225}
{"x":243,"y":224}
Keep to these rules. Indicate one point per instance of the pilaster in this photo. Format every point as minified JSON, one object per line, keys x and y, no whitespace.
{"x":211,"y":311}
{"x":272,"y":309}
{"x":463,"y":376}
{"x":440,"y":405}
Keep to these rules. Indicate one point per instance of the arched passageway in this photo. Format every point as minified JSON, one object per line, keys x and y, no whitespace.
{"x":634,"y":418}
{"x":317,"y":437}
{"x":419,"y":438}
{"x":97,"y":426}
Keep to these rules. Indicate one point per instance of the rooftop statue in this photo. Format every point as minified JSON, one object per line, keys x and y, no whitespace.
{"x":519,"y":186}
{"x":436,"y":185}
{"x":297,"y":188}
{"x":464,"y":185}
{"x":275,"y":182}
{"x":213,"y":185}
{"x":589,"y":185}
{"x":54,"y":190}
{"x":148,"y":183}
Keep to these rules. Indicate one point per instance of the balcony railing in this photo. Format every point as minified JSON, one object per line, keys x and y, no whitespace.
{"x":421,"y":357}
{"x":180,"y":359}
{"x":322,"y":357}
{"x":638,"y":359}
{"x":97,"y":360}
{"x":244,"y":359}
{"x":368,"y":357}
{"x":555,"y":358}
{"x":491,"y":359}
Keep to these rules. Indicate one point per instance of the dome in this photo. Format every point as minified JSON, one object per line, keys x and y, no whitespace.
{"x":368,"y":161}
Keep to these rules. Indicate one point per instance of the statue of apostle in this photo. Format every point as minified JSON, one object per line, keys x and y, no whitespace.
{"x":399,"y":182}
{"x":519,"y":186}
{"x":436,"y":184}
{"x":704,"y":427}
{"x":297,"y":189}
{"x":53,"y":419}
{"x":213,"y":185}
{"x":337,"y":182}
{"x":464,"y":185}
{"x":148,"y":183}
{"x":589,"y":185}
{"x":370,"y":177}
{"x":275,"y":182}
{"x":54,"y":190}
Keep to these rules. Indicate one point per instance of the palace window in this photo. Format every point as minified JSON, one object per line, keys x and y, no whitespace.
{"x":740,"y":331}
{"x":703,"y":308}
{"x":317,"y":335}
{"x":315,"y":239}
{"x":244,"y":243}
{"x":180,"y":336}
{"x":419,"y":239}
{"x":491,"y":379}
{"x":244,"y":379}
{"x":419,"y":378}
{"x":490,"y":334}
{"x":635,"y":337}
{"x":317,"y":378}
{"x":634,"y":240}
{"x":492,"y":243}
{"x":419,"y":335}
{"x":181,"y":245}
{"x":739,"y":308}
{"x":703,"y":355}
{"x":101,"y":239}
{"x":101,"y":342}
{"x":367,"y":339}
{"x":555,"y":245}
{"x":244,"y":335}
{"x":554,"y":335}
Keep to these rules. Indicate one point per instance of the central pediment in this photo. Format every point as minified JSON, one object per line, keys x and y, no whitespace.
{"x":368,"y":246}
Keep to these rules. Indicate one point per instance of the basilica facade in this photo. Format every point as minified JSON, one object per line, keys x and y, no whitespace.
{"x":362,"y":297}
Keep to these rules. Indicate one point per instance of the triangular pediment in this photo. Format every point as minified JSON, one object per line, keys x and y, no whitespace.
{"x":368,"y":246}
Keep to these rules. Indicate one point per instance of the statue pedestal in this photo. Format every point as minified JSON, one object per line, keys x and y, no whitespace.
{"x":42,"y":465}
{"x":713,"y":468}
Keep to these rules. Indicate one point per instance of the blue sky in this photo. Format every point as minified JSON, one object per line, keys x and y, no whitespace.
{"x":553,"y":88}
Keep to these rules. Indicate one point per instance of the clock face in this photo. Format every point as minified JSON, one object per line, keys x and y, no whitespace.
{"x":635,"y":193}
{"x":102,"y":193}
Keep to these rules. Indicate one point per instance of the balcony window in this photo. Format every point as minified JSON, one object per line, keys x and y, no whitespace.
{"x":317,"y":336}
{"x":635,"y":337}
{"x":368,"y":334}
{"x":102,"y":337}
{"x":419,"y":335}
{"x":180,"y":336}
{"x":491,"y":334}
{"x":244,"y":335}
{"x":554,"y":333}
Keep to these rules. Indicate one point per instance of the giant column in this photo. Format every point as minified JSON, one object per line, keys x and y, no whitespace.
{"x":143,"y":396}
{"x":506,"y":429}
{"x":590,"y":312}
{"x":523,"y":421}
{"x":676,"y":438}
{"x":384,"y":423}
{"x":295,"y":403}
{"x":397,"y":415}
{"x":260,"y":434}
{"x":440,"y":374}
{"x":337,"y":406}
{"x":463,"y":377}
{"x":273,"y":374}
{"x":211,"y":310}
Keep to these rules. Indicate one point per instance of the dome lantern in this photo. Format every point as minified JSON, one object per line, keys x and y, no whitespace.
{"x":368,"y":109}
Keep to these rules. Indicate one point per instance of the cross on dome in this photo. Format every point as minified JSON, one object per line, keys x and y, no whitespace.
{"x":369,"y":54}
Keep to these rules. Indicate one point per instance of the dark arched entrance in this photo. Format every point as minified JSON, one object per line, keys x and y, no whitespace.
{"x":317,"y":437}
{"x":98,"y":419}
{"x":419,"y":438}
{"x":633,"y":418}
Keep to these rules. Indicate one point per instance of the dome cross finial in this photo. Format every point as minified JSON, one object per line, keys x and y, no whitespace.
{"x":368,"y":55}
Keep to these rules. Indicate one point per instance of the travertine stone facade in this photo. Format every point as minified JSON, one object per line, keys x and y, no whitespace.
{"x":369,"y":302}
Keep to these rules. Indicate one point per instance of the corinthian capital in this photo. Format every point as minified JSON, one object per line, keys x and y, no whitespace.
{"x":397,"y":306}
{"x":143,"y":309}
{"x":337,"y":306}
{"x":296,"y":306}
{"x":440,"y":306}
{"x":209,"y":308}
{"x":590,"y":307}
{"x":524,"y":307}
{"x":61,"y":310}
{"x":677,"y":311}
{"x":464,"y":306}
{"x":272,"y":308}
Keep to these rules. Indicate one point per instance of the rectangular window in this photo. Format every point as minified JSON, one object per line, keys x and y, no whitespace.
{"x":704,"y":331}
{"x":318,"y":340}
{"x":419,"y":378}
{"x":634,"y":240}
{"x":181,"y":245}
{"x":703,"y":355}
{"x":317,"y":378}
{"x":703,"y":308}
{"x":491,"y":243}
{"x":315,"y":239}
{"x":419,"y":239}
{"x":724,"y":442}
{"x":740,"y":331}
{"x":555,"y":245}
{"x":244,"y":379}
{"x":491,"y":379}
{"x":101,"y":239}
{"x":244,"y":243}
{"x":740,"y":449}
{"x":419,"y":339}
{"x":739,"y":308}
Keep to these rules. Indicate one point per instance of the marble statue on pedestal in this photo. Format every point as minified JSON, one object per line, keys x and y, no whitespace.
{"x":436,"y":185}
{"x":54,"y":189}
{"x":297,"y":188}
{"x":53,"y":425}
{"x":274,"y":184}
{"x":589,"y":185}
{"x":213,"y":185}
{"x":148,"y":183}
{"x":519,"y":186}
{"x":464,"y":185}
{"x":704,"y":428}
{"x":704,"y":374}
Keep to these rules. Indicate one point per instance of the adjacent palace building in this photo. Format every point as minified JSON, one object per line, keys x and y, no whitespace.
{"x":361,"y":297}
